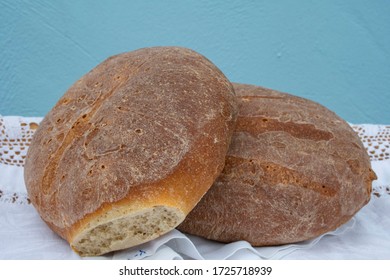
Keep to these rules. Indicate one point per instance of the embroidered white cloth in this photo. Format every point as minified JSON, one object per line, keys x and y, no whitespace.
{"x":23,"y":235}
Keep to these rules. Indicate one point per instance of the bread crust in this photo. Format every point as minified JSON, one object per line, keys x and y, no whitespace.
{"x":143,"y":129}
{"x":294,"y":170}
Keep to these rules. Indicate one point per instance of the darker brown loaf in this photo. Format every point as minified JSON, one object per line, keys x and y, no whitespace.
{"x":294,"y":170}
{"x":131,"y":148}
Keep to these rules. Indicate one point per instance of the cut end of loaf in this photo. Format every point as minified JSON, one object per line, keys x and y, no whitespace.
{"x":126,"y":230}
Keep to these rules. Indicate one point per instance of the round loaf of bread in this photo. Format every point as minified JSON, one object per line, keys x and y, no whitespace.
{"x":294,"y":171}
{"x":131,"y":148}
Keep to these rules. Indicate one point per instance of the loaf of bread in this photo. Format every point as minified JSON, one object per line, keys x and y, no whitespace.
{"x":131,"y":148}
{"x":294,"y":171}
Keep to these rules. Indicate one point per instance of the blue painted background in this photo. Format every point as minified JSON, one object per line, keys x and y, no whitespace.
{"x":334,"y":52}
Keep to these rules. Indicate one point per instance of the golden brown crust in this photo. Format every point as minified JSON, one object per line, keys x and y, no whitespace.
{"x":144,"y":128}
{"x":294,"y":170}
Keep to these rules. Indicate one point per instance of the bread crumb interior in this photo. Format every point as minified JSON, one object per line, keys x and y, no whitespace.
{"x":128,"y":230}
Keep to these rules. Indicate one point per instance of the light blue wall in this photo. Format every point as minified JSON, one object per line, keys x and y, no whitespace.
{"x":334,"y":52}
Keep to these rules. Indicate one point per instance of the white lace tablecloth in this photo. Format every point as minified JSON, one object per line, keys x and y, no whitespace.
{"x":23,"y":235}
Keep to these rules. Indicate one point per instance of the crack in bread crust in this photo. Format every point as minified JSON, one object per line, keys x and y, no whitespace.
{"x":307,"y":131}
{"x":79,"y":127}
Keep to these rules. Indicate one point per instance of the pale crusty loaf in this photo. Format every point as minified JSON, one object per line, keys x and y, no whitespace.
{"x":294,"y":170}
{"x":131,"y":148}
